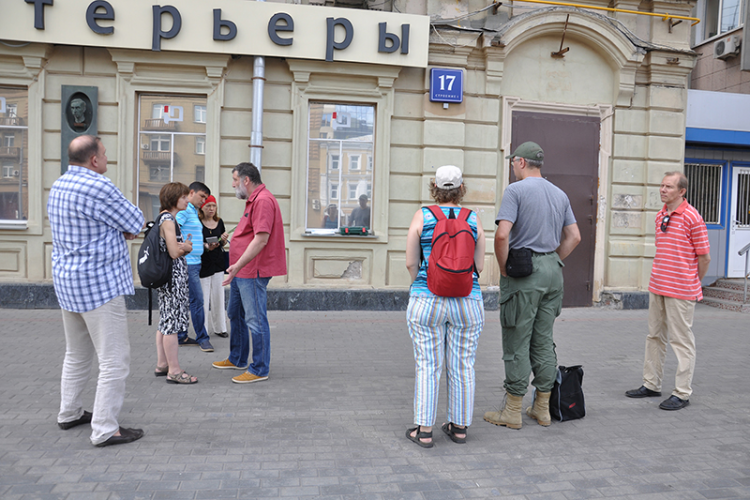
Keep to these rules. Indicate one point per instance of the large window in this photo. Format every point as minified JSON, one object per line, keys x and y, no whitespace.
{"x":704,"y":190}
{"x":14,"y":144}
{"x":171,"y":146}
{"x":719,"y":16}
{"x":338,"y":131}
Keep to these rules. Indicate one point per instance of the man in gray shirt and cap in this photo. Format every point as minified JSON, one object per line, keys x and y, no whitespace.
{"x":535,"y":215}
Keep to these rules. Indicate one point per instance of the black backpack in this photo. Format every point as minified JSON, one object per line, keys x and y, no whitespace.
{"x":154,"y":264}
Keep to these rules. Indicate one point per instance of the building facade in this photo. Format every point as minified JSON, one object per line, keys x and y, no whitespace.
{"x":717,"y":153}
{"x":604,"y":93}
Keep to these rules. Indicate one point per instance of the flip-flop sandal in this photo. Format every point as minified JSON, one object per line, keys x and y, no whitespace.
{"x":452,"y":430}
{"x":419,"y":436}
{"x":161,"y":371}
{"x":182,"y":378}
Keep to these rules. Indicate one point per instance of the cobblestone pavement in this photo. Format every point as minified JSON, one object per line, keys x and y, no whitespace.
{"x":330,"y":421}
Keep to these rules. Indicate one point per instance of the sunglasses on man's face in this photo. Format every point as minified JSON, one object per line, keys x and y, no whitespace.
{"x":664,"y":223}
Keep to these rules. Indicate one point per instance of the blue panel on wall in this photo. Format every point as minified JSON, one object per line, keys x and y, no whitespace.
{"x":711,"y":136}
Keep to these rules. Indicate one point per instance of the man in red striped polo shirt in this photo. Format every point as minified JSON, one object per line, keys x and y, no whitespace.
{"x":680,"y":264}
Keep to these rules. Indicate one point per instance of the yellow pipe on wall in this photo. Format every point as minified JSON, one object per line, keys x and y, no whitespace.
{"x":664,"y":17}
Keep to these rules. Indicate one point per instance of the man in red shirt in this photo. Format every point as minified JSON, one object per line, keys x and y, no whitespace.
{"x":680,"y":264}
{"x":256,"y":253}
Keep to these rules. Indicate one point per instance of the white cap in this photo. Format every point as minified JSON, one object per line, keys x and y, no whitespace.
{"x":448,"y":177}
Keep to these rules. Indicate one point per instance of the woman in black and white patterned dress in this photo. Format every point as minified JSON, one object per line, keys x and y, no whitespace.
{"x":173,"y":296}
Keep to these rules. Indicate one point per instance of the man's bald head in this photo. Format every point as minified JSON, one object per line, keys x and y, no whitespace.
{"x":88,"y":151}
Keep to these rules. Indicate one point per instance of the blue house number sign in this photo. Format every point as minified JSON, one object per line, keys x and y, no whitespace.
{"x":446,"y":85}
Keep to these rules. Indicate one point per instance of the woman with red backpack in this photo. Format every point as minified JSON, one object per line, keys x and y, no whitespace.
{"x":444,"y":255}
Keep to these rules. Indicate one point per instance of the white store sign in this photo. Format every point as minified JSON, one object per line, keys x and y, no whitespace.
{"x":228,"y":27}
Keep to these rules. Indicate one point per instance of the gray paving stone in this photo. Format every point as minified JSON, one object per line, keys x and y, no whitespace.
{"x":130,"y":495}
{"x":217,"y":494}
{"x":173,"y":495}
{"x":73,"y":487}
{"x":329,"y":422}
{"x":23,"y":489}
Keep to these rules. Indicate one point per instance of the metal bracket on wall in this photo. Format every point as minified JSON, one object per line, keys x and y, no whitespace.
{"x":561,"y":53}
{"x":671,"y":23}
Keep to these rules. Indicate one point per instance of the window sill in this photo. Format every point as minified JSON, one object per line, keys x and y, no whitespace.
{"x":14,"y":225}
{"x":308,"y":234}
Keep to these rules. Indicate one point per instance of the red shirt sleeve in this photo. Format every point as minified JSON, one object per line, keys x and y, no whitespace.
{"x":699,"y":235}
{"x":263,"y":215}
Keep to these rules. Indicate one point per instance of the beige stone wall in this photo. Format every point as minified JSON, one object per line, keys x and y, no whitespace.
{"x":718,"y":74}
{"x":640,"y":98}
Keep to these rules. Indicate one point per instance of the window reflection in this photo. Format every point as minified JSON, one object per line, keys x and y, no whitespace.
{"x":171,"y":145}
{"x":339,"y":166}
{"x":14,"y":153}
{"x":721,"y":16}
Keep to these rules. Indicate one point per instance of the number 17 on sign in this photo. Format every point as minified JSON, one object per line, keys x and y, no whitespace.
{"x":446,"y":85}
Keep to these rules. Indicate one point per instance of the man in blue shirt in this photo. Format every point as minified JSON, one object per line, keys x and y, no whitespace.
{"x":90,"y":220}
{"x":192,"y":228}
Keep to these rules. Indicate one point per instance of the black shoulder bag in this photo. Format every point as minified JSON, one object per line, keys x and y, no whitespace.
{"x":519,"y":263}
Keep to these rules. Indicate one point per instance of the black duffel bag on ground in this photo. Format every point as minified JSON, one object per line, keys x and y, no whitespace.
{"x":566,"y":401}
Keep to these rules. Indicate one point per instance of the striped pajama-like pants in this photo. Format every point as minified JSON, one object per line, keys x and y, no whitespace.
{"x":444,"y":328}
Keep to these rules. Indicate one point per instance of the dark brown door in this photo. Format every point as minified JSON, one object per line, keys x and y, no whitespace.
{"x":571,"y":162}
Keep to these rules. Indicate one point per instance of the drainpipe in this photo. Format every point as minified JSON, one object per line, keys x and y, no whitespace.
{"x":256,"y":136}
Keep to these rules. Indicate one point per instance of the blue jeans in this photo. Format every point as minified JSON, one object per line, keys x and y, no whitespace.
{"x":196,"y":304}
{"x":247,"y":310}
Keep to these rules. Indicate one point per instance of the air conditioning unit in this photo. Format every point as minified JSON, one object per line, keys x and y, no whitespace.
{"x":727,"y":47}
{"x":145,"y":146}
{"x":16,"y":173}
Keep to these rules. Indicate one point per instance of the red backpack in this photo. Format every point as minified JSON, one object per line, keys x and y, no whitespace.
{"x":450,"y":270}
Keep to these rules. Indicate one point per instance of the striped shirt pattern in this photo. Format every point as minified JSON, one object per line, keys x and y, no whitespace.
{"x":419,"y":287}
{"x":444,"y":330}
{"x":675,"y":269}
{"x":191,"y":224}
{"x":90,"y":259}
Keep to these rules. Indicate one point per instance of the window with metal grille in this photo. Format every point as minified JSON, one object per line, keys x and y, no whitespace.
{"x":704,"y":190}
{"x":742,"y":213}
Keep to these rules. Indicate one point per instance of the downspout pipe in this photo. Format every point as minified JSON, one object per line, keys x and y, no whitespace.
{"x":256,"y":136}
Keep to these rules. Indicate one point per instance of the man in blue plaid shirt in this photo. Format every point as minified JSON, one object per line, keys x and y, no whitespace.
{"x":90,"y":221}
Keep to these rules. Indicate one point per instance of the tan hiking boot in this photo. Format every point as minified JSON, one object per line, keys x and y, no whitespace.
{"x":540,"y":410}
{"x":510,"y":415}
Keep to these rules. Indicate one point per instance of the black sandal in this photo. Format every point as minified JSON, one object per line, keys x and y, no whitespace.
{"x":452,"y":430}
{"x":419,"y":436}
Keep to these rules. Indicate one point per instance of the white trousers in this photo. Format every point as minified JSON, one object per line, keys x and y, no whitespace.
{"x":102,"y":332}
{"x":213,"y":304}
{"x":670,"y":320}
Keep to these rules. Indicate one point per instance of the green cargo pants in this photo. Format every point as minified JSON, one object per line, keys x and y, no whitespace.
{"x":528,"y":308}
